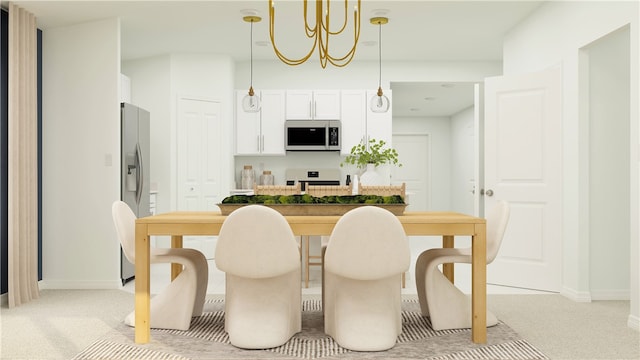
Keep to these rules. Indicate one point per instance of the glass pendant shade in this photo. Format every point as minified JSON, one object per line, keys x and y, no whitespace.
{"x":251,"y":102}
{"x":379,"y":103}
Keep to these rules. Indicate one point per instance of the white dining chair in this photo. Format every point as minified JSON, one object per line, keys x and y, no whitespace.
{"x":184,"y":297}
{"x":364,"y":259}
{"x":442,"y":301}
{"x":259,"y":255}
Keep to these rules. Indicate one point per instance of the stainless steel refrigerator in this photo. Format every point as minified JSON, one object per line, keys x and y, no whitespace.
{"x":134,"y":188}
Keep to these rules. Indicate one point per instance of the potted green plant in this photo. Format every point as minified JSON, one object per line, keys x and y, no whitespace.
{"x":369,"y":156}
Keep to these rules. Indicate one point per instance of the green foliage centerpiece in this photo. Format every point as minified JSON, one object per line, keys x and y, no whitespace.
{"x":373,"y":152}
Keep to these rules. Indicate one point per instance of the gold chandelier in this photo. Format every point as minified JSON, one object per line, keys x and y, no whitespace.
{"x":320,"y":32}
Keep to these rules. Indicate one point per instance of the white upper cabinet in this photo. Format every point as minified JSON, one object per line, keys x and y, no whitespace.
{"x":354,"y":118}
{"x":359,"y":123}
{"x":313,"y":105}
{"x":261,"y":133}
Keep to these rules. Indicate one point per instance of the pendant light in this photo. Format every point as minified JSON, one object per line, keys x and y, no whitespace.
{"x":379,"y":103}
{"x":251,"y":102}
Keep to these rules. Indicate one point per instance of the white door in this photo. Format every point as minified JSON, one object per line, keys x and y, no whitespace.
{"x":413,"y":154}
{"x":523,"y":128}
{"x":198,"y":169}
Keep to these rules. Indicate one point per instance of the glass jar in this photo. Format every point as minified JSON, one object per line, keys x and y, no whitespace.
{"x":266,"y":178}
{"x":248,"y":177}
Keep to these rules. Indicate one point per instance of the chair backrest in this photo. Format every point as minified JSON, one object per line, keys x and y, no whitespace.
{"x":125,"y":221}
{"x":368,"y":243}
{"x":383,"y":190}
{"x":256,"y":241}
{"x":277,"y":189}
{"x":497,"y":221}
{"x":328,"y":190}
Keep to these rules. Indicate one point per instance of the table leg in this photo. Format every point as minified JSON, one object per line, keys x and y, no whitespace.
{"x":306,"y":243}
{"x":143,"y":290}
{"x":176,"y":269}
{"x":447,"y":269}
{"x":479,"y":285}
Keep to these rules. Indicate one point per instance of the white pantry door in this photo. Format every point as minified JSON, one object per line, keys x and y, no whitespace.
{"x":523,"y":143}
{"x":414,"y":155}
{"x":199,"y":142}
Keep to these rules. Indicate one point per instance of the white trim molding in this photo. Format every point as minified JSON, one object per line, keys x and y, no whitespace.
{"x":622,"y":294}
{"x":634,"y":322}
{"x":577,"y":296}
{"x":79,"y":285}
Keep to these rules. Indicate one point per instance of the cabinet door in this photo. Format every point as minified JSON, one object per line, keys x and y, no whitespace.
{"x":379,"y":125}
{"x":299,"y":105}
{"x":326,"y":105}
{"x":354,"y":118}
{"x":272,"y":124}
{"x":247,"y":126}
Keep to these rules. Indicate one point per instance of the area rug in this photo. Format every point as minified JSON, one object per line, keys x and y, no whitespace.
{"x":206,"y":339}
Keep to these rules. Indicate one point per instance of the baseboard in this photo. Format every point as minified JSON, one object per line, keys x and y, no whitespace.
{"x":610,"y":295}
{"x":577,"y":296}
{"x":79,"y":285}
{"x":634,"y":322}
{"x":4,"y":300}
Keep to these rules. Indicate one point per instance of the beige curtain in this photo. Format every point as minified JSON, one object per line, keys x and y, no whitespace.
{"x":23,"y":191}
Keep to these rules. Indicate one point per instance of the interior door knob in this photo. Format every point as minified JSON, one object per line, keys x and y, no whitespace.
{"x":489,"y":192}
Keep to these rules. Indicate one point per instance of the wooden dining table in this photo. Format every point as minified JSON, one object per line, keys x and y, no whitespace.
{"x":180,"y":223}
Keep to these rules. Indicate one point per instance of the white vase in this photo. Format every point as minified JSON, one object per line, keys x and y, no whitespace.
{"x":371,"y":176}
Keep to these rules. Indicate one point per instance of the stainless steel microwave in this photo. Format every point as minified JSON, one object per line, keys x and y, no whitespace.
{"x":312,"y":135}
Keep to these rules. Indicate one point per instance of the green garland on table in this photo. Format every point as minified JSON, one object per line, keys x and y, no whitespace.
{"x":308,"y":199}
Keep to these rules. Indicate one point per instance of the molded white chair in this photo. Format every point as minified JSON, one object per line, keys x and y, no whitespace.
{"x":447,"y":306}
{"x":259,"y":254}
{"x":367,"y":252}
{"x":184,"y":297}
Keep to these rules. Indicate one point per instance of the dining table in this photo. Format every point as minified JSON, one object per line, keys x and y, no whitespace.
{"x":208,"y":223}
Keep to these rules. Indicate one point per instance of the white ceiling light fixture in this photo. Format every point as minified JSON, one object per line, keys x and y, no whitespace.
{"x":251,"y":102}
{"x":320,"y":32}
{"x":379,"y":103}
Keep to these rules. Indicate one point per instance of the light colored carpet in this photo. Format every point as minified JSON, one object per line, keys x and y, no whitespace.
{"x":62,"y":323}
{"x":207,"y":340}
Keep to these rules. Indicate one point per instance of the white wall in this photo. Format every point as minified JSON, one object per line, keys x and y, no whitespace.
{"x":359,"y":75}
{"x":608,"y":62}
{"x":553,"y":35}
{"x":80,"y":165}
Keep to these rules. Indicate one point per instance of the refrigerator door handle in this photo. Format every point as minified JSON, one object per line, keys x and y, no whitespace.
{"x":139,"y":173}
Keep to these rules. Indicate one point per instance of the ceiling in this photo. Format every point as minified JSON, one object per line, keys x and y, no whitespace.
{"x":417,"y":31}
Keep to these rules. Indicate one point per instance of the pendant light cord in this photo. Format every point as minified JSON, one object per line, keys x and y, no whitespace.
{"x":380,"y":55}
{"x":251,"y":61}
